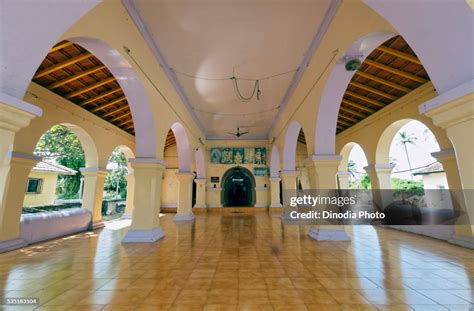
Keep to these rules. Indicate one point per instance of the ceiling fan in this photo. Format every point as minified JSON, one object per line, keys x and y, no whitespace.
{"x":238,"y":133}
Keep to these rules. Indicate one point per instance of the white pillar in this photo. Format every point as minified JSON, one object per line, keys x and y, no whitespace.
{"x":343,"y":179}
{"x":380,"y":182}
{"x":322,"y":170}
{"x":200,"y":192}
{"x":94,"y":178}
{"x":146,"y":226}
{"x":288,"y":180}
{"x":12,"y":204}
{"x":130,"y":196}
{"x":184,"y":211}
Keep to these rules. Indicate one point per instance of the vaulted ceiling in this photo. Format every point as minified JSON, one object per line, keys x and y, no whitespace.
{"x":206,"y":45}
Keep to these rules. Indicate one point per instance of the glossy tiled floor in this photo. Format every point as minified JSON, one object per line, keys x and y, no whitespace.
{"x":241,"y":262}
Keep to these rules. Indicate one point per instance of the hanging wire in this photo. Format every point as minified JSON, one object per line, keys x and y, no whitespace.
{"x":256,"y":88}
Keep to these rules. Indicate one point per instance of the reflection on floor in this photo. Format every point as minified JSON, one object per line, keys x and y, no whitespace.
{"x":241,"y":262}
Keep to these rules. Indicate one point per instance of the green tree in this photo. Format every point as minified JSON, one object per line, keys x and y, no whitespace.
{"x":115,"y":182}
{"x":404,"y":139}
{"x":61,"y":145}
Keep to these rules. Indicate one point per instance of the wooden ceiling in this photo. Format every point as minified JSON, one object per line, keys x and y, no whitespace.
{"x":170,"y":140}
{"x":391,"y":71}
{"x":78,"y":76}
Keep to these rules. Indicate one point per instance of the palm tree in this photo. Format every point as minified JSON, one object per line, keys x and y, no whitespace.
{"x":404,"y":139}
{"x":352,"y":168}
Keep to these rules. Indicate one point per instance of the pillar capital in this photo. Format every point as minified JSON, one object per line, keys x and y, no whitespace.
{"x":147,"y":163}
{"x":185,"y":176}
{"x":285,"y":174}
{"x":444,"y":155}
{"x":379,"y":168}
{"x":26,"y":160}
{"x":323,"y":160}
{"x":274,"y":179}
{"x":93,"y":171}
{"x":200,"y":180}
{"x":16,"y":114}
{"x":343,"y":173}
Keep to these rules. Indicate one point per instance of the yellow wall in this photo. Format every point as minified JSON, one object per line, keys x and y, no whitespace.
{"x":48,"y":190}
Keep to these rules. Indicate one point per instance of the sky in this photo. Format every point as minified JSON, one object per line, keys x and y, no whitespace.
{"x":420,"y":153}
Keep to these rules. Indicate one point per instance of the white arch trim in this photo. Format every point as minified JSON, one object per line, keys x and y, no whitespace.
{"x":440,"y":33}
{"x":182,"y":142}
{"x":336,"y":85}
{"x":275,"y":162}
{"x":23,"y":46}
{"x":289,"y":149}
{"x":87,"y":143}
{"x":145,"y":131}
{"x":199,"y":158}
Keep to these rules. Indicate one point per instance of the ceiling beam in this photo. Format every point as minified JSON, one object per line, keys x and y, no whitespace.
{"x":383,"y":81}
{"x":372,"y":90}
{"x":121,"y":116}
{"x":366,"y":99}
{"x":100,"y":96}
{"x":115,"y":101}
{"x":353,"y":112}
{"x":395,"y":71}
{"x":60,"y":46}
{"x":400,"y":54}
{"x":344,"y":122}
{"x":61,"y":65}
{"x":358,"y":106}
{"x":90,"y":87}
{"x":112,"y":112}
{"x":343,"y":116}
{"x":128,"y":127}
{"x":125,"y":122}
{"x":75,"y":77}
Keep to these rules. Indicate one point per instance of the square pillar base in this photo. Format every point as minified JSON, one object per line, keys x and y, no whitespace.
{"x":184,"y":217}
{"x":463,"y":241}
{"x":10,"y":245}
{"x":98,"y":224}
{"x":328,"y":235}
{"x":143,"y":236}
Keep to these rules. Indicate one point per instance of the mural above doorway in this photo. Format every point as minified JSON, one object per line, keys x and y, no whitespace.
{"x":239,"y":155}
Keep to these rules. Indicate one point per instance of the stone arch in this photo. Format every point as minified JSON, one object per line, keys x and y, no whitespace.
{"x":419,"y":24}
{"x":345,"y":153}
{"x":326,"y":122}
{"x":289,"y":148}
{"x":200,"y":163}
{"x":21,"y":57}
{"x":385,"y":140}
{"x":182,"y":143}
{"x":275,"y":162}
{"x":140,"y":107}
{"x":225,"y":179}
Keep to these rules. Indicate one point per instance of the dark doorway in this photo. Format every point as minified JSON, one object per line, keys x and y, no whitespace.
{"x":238,"y":187}
{"x":194,"y":191}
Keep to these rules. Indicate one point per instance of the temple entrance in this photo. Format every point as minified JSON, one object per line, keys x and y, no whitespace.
{"x":238,"y":187}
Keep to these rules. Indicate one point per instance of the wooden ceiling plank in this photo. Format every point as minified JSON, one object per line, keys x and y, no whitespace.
{"x":358,"y":106}
{"x":100,"y":96}
{"x":121,"y":116}
{"x":75,"y":77}
{"x":344,"y":122}
{"x":400,"y":54}
{"x":348,"y":118}
{"x":366,"y":99}
{"x":90,"y":87}
{"x":395,"y":71}
{"x":60,"y":46}
{"x":372,"y":90}
{"x":114,"y":111}
{"x":383,"y":81}
{"x":61,"y":65}
{"x":353,"y":112}
{"x":125,"y":122}
{"x":115,"y":101}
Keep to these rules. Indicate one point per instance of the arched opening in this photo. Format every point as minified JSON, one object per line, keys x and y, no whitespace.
{"x":408,"y":145}
{"x":352,"y":165}
{"x":116,"y":187}
{"x":96,"y":77}
{"x":238,"y":187}
{"x":56,"y":182}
